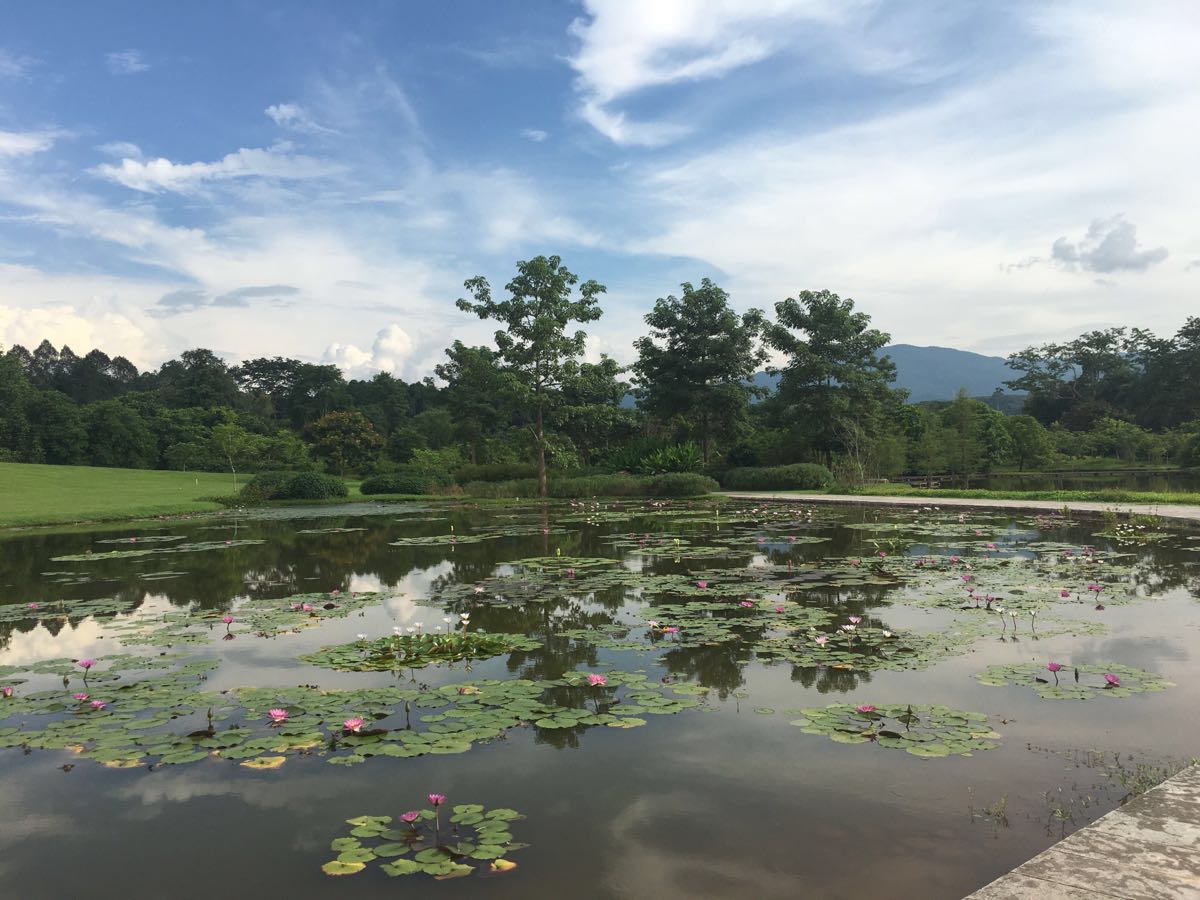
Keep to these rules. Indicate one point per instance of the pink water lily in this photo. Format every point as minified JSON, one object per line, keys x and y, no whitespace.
{"x":87,"y":663}
{"x":1064,"y":593}
{"x":437,"y":799}
{"x":991,"y":546}
{"x":1054,"y":667}
{"x":98,"y":704}
{"x":854,"y":620}
{"x":1113,"y":680}
{"x":31,"y":606}
{"x":856,"y":563}
{"x":780,"y":609}
{"x":307,"y":607}
{"x":278,"y":716}
{"x":966,"y":577}
{"x":8,"y":692}
{"x":865,"y":708}
{"x":80,"y":697}
{"x":671,"y":629}
{"x":353,"y":725}
{"x":228,"y":620}
{"x":1095,"y":587}
{"x":821,"y":640}
{"x":746,"y":603}
{"x":597,"y":680}
{"x":702,"y":584}
{"x":409,"y":817}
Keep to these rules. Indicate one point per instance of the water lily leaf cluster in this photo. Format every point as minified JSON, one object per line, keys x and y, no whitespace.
{"x":1075,"y":682}
{"x":411,"y":651}
{"x":463,"y":840}
{"x":930,"y":732}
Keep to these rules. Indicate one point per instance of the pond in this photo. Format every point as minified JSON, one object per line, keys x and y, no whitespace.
{"x":692,"y":699}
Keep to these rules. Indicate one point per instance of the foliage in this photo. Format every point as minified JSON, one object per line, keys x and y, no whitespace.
{"x":676,"y":484}
{"x":312,"y":486}
{"x":494,"y":472}
{"x":410,"y":482}
{"x":798,"y":476}
{"x":695,"y":364}
{"x":673,"y":458}
{"x":533,"y":344}
{"x":345,"y":440}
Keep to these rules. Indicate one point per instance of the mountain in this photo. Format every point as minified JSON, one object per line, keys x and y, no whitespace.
{"x":936,"y":373}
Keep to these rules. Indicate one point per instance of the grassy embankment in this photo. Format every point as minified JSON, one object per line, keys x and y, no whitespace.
{"x":44,"y":495}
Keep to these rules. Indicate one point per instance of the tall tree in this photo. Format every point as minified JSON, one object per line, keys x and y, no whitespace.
{"x":479,"y":394}
{"x":833,"y":376}
{"x":697,"y":361}
{"x":345,"y":440}
{"x":534,"y":343}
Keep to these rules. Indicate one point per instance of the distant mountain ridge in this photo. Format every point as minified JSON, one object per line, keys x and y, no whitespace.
{"x":936,"y":373}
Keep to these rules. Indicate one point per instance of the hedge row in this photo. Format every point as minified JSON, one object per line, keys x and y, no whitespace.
{"x":799,"y":476}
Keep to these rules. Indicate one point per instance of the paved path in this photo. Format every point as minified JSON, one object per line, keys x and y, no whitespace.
{"x":1166,"y":511}
{"x":1148,"y":849}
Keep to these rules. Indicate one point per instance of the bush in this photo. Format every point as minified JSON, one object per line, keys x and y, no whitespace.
{"x":312,"y":486}
{"x":495,"y":472}
{"x":397,"y":483}
{"x":266,"y":485}
{"x":675,"y":484}
{"x":798,"y":476}
{"x":675,"y":458}
{"x":681,"y":484}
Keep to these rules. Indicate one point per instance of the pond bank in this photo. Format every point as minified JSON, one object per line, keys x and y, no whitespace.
{"x":1179,"y":512}
{"x":1146,"y":848}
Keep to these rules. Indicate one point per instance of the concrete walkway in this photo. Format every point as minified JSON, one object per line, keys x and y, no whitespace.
{"x":1167,"y":511}
{"x":1149,"y":848}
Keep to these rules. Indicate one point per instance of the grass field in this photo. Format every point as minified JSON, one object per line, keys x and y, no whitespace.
{"x":45,"y":495}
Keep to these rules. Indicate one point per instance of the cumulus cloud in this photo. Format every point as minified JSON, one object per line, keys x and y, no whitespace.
{"x":126,"y":62}
{"x":534,"y":134}
{"x":391,"y":352}
{"x":157,"y":175}
{"x":23,"y":143}
{"x":1110,"y":245}
{"x":187,"y":300}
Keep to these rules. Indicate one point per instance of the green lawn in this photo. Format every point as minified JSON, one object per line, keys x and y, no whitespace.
{"x":44,"y":495}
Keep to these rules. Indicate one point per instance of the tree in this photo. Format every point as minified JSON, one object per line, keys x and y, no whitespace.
{"x":533,"y":344}
{"x":1031,"y":444}
{"x":479,"y":394}
{"x":16,"y":436}
{"x":591,"y":414}
{"x":697,"y":361}
{"x":118,"y":437}
{"x":236,"y":446}
{"x":833,"y":375}
{"x":345,"y":439}
{"x":198,"y":378}
{"x":58,"y":428}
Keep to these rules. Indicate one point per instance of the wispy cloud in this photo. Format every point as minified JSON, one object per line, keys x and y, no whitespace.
{"x":296,"y":118}
{"x":24,"y":143}
{"x":126,"y":62}
{"x":534,"y":134}
{"x":156,"y":175}
{"x":15,"y":66}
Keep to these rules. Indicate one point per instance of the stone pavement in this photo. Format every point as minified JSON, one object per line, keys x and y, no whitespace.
{"x":1148,"y":849}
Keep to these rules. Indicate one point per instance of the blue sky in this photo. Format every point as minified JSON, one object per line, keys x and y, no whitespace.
{"x":316,"y":180}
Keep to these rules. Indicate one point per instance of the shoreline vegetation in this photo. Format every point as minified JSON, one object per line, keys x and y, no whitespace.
{"x":47,"y":496}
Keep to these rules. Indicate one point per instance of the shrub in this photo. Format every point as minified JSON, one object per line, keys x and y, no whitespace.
{"x":312,"y":486}
{"x":798,"y":476}
{"x":681,"y":484}
{"x":495,"y":472}
{"x":675,"y":484}
{"x":675,"y":458}
{"x":397,"y":483}
{"x":266,"y":485}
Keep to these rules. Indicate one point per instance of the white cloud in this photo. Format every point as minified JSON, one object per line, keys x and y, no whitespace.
{"x":17,"y":67}
{"x":294,"y":117}
{"x":626,"y":48}
{"x":24,"y":143}
{"x":155,"y":175}
{"x":534,"y":134}
{"x":1110,"y":245}
{"x":121,"y":150}
{"x":126,"y":62}
{"x":390,"y":353}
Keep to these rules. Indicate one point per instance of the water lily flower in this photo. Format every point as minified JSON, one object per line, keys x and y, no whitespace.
{"x":652,"y":623}
{"x":856,"y":563}
{"x":780,"y":609}
{"x":31,"y":606}
{"x":228,"y":620}
{"x":570,"y":573}
{"x":98,"y":704}
{"x":865,"y":708}
{"x":746,"y":603}
{"x":848,"y":628}
{"x":80,"y":697}
{"x":278,"y":716}
{"x":821,"y":639}
{"x":437,"y":799}
{"x":854,"y":620}
{"x":1064,"y":593}
{"x":8,"y":692}
{"x":307,"y":607}
{"x":1095,"y":587}
{"x":791,"y":539}
{"x":464,"y":616}
{"x":335,"y":592}
{"x":887,"y":634}
{"x":353,"y":725}
{"x":397,"y":630}
{"x":479,"y":589}
{"x":1054,"y":667}
{"x":409,"y":629}
{"x":954,"y":559}
{"x":87,"y":663}
{"x":671,"y":629}
{"x":1113,"y":680}
{"x":409,"y":817}
{"x":966,"y":577}
{"x":882,"y":554}
{"x":596,"y":680}
{"x":702,"y":584}
{"x":362,"y":637}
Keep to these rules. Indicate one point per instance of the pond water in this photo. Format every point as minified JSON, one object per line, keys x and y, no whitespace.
{"x":706,"y":763}
{"x":1161,"y":481}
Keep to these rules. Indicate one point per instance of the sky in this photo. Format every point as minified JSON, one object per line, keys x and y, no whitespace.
{"x":317,"y":180}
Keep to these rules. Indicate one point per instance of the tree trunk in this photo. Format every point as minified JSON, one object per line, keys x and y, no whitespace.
{"x":541,"y":455}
